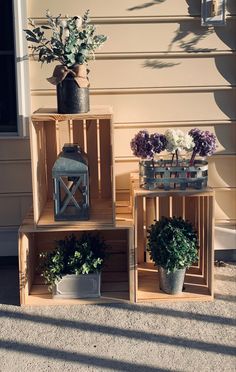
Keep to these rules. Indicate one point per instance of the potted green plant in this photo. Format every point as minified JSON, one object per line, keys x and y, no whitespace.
{"x":71,"y":41}
{"x":173,"y":246}
{"x":73,"y":268}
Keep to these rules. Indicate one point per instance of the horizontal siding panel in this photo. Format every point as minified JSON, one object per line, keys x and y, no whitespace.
{"x":225,"y":205}
{"x":137,"y":73}
{"x":121,"y":8}
{"x":184,"y":36}
{"x":14,"y":149}
{"x":225,"y":134}
{"x":219,"y":105}
{"x":159,"y":37}
{"x":225,"y":237}
{"x":222,"y":171}
{"x":15,"y":177}
{"x":13,"y":209}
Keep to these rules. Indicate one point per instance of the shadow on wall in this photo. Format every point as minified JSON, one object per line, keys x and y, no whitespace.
{"x":146,"y":5}
{"x":226,"y":65}
{"x":225,"y":100}
{"x":155,"y":63}
{"x":194,"y":7}
{"x":226,"y":138}
{"x":188,"y":35}
{"x":231,"y":6}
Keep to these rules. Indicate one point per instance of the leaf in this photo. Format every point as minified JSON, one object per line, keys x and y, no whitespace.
{"x":33,"y":40}
{"x":30,"y":33}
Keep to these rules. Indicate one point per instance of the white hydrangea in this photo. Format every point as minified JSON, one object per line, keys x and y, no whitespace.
{"x":178,"y":141}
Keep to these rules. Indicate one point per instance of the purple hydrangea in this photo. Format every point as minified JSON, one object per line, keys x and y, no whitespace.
{"x":205,"y":142}
{"x":141,"y":145}
{"x":145,"y":146}
{"x":158,"y":142}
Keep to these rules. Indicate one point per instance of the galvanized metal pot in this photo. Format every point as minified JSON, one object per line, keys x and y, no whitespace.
{"x":171,"y":283}
{"x":71,"y":99}
{"x":78,"y":286}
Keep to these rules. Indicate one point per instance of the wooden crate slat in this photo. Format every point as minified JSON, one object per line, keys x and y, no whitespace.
{"x":210,"y":246}
{"x":52,"y":151}
{"x":164,"y":206}
{"x":101,"y":214}
{"x":150,"y":217}
{"x":106,"y":169}
{"x":78,"y":133}
{"x":207,"y":232}
{"x":107,"y":297}
{"x":139,"y":222}
{"x":92,"y":152}
{"x":50,"y":114}
{"x":177,"y":206}
{"x":131,"y":265}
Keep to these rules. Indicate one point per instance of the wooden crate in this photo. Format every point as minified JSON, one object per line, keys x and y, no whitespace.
{"x":195,"y":206}
{"x":93,"y":131}
{"x":117,"y":274}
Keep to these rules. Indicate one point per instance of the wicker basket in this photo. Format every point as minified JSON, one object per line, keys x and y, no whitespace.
{"x":155,"y":174}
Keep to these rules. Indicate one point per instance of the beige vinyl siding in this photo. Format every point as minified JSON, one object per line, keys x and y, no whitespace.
{"x":15,"y":190}
{"x":149,"y":72}
{"x":158,"y":69}
{"x":17,"y":202}
{"x":159,"y":106}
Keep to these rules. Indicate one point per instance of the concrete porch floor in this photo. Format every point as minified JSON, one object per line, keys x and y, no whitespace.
{"x":189,"y":336}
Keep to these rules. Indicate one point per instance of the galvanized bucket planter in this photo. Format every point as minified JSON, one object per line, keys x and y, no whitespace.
{"x":71,"y":99}
{"x":161,"y":174}
{"x":78,"y":286}
{"x":171,"y":283}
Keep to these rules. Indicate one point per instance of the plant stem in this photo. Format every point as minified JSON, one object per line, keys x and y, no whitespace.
{"x":192,"y":158}
{"x":177,"y":157}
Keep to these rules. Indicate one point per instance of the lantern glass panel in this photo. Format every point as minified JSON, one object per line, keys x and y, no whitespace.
{"x":71,"y":184}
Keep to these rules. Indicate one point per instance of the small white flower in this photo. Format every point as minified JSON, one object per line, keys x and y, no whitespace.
{"x":189,"y":143}
{"x":66,"y":32}
{"x":63,"y":24}
{"x":78,"y":22}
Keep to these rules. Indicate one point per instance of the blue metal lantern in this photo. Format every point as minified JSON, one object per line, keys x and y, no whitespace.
{"x":70,"y":175}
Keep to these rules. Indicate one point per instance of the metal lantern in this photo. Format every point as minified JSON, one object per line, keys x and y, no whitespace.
{"x":213,"y":13}
{"x":71,"y":184}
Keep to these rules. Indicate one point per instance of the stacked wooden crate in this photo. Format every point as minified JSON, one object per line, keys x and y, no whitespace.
{"x":128,"y":274}
{"x":197,"y":206}
{"x":93,"y":132}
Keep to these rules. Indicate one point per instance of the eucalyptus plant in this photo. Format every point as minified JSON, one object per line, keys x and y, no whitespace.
{"x":172,"y":243}
{"x":73,"y":256}
{"x":69,"y":40}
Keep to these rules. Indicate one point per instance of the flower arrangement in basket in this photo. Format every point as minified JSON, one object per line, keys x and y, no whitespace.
{"x":175,"y":172}
{"x":71,"y":41}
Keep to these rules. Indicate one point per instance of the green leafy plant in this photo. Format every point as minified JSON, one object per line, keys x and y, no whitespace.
{"x":70,"y":41}
{"x":172,"y":243}
{"x":73,"y":256}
